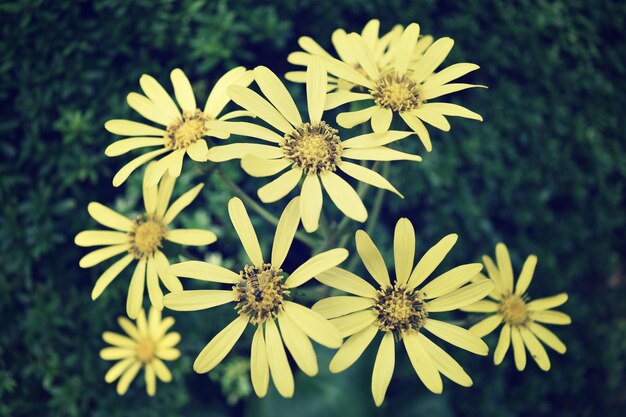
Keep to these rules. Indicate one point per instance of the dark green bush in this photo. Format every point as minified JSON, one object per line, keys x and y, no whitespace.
{"x":545,"y":172}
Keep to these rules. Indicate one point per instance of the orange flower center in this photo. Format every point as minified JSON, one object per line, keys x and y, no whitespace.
{"x":146,"y":237}
{"x":186,"y":131}
{"x":513,"y":309}
{"x":397,"y":92}
{"x":313,"y":147}
{"x":260,"y":293}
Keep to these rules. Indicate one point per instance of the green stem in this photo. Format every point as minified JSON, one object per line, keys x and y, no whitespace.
{"x":266,"y":215}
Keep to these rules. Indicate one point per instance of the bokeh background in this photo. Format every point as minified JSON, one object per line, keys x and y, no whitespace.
{"x":545,"y":173}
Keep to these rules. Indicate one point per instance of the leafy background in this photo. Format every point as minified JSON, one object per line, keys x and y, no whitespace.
{"x":545,"y":172}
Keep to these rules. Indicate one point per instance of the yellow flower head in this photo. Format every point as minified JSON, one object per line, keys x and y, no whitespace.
{"x":402,"y":309}
{"x":145,"y":345}
{"x":312,"y":149}
{"x":382,"y":48}
{"x":405,"y":87}
{"x":261,"y":294}
{"x":182,"y":133}
{"x":141,"y":239}
{"x":520,"y":317}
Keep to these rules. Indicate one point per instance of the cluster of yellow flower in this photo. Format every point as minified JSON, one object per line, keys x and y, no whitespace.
{"x":395,"y":73}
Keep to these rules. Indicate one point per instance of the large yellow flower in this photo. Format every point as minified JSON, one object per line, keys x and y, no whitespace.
{"x":311,"y":149}
{"x":146,"y":345}
{"x":183,"y":132}
{"x":141,"y":239}
{"x":261,"y":294}
{"x":382,"y":48}
{"x":405,"y":89}
{"x":519,"y":316}
{"x":401,"y":311}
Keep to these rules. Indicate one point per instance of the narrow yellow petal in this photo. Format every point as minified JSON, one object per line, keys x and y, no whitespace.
{"x":332,"y":307}
{"x":148,"y":109}
{"x":370,"y":140}
{"x":422,"y":363}
{"x":379,"y":153}
{"x":383,"y":368}
{"x":547,"y":337}
{"x":451,"y":280}
{"x":218,"y":98}
{"x":100,"y":238}
{"x":316,"y":83}
{"x":277,"y":359}
{"x":457,"y":336}
{"x":367,"y":176}
{"x":483,"y":306}
{"x":250,"y":130}
{"x":217,"y":349}
{"x":198,"y":151}
{"x":550,"y":317}
{"x":159,"y":96}
{"x":519,"y":352}
{"x":486,"y":325}
{"x":239,"y":150}
{"x":311,"y":203}
{"x":127,"y":377}
{"x":442,"y":90}
{"x":403,"y":250}
{"x":352,"y":349}
{"x":372,"y":259}
{"x":154,"y":290}
{"x":450,"y":73}
{"x":123,"y":146}
{"x":128,"y":169}
{"x":277,"y":94}
{"x":243,"y":226}
{"x":260,"y":167}
{"x":462,"y":297}
{"x":135,"y":289}
{"x":100,"y":255}
{"x":193,"y":237}
{"x":536,"y":349}
{"x":259,"y":368}
{"x":313,"y":324}
{"x":115,"y":353}
{"x":316,"y":265}
{"x":353,"y":323}
{"x":334,"y":100}
{"x":548,"y":302}
{"x":449,"y":109}
{"x":171,"y":282}
{"x":504,"y":341}
{"x":193,"y":300}
{"x":130,"y":128}
{"x":285,"y":232}
{"x":406,"y":47}
{"x":445,"y":363}
{"x":418,"y":127}
{"x":204,"y":271}
{"x":346,"y":281}
{"x":180,"y":203}
{"x":353,"y":118}
{"x":150,"y":378}
{"x":109,"y":218}
{"x":257,"y":105}
{"x":161,"y":370}
{"x":183,"y":90}
{"x":432,"y":58}
{"x":118,"y":369}
{"x":281,"y":186}
{"x":432,"y":117}
{"x":119,"y":340}
{"x":344,"y":196}
{"x":298,"y":345}
{"x":504,"y":267}
{"x":109,"y":275}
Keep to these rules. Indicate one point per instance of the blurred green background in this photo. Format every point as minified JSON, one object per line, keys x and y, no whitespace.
{"x":545,"y":173}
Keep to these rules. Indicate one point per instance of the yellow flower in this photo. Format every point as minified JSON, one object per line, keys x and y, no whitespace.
{"x":141,"y":239}
{"x":519,"y":316}
{"x":382,"y":49}
{"x":183,"y":132}
{"x":311,"y":149}
{"x":261,"y":294}
{"x":146,"y":346}
{"x":405,"y":89}
{"x":400,"y":310}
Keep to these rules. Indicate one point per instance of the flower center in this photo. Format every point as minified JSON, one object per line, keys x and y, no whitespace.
{"x":400,"y":310}
{"x":145,"y":350}
{"x":146,"y":236}
{"x":513,"y":309}
{"x":313,"y":147}
{"x":260,"y":292}
{"x":397,"y":92}
{"x":182,"y":133}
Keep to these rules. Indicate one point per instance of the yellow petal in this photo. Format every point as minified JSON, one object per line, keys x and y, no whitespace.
{"x":444,"y":362}
{"x":100,"y":255}
{"x":193,"y":237}
{"x":334,"y":100}
{"x":193,"y":300}
{"x":313,"y":324}
{"x":145,"y":107}
{"x":171,"y":282}
{"x":154,"y":290}
{"x":123,"y":146}
{"x":449,"y":74}
{"x":116,"y":370}
{"x":486,"y":325}
{"x":457,"y":336}
{"x":285,"y":232}
{"x":547,"y":337}
{"x":183,"y":90}
{"x":250,"y":130}
{"x":176,"y":164}
{"x":257,"y":105}
{"x":551,"y":317}
{"x":383,"y":368}
{"x":239,"y":150}
{"x":332,"y":307}
{"x":483,"y":306}
{"x":109,"y":218}
{"x":100,"y":237}
{"x":504,"y":341}
{"x":367,"y":176}
{"x":298,"y":345}
{"x":345,"y":72}
{"x":129,"y":328}
{"x":406,"y":46}
{"x":403,"y":249}
{"x":431,"y":260}
{"x":169,"y":341}
{"x":150,"y":378}
{"x":259,"y":368}
{"x":128,"y":169}
{"x":311,"y":203}
{"x":526,"y":275}
{"x":418,"y":127}
{"x":128,"y":377}
{"x":115,"y":353}
{"x":161,"y":370}
{"x":504,"y":267}
{"x":449,"y":109}
{"x":281,"y":186}
{"x":130,"y":128}
{"x":353,"y":323}
{"x":346,"y":281}
{"x":352,"y":349}
{"x":135,"y":289}
{"x":536,"y":349}
{"x":159,"y":96}
{"x":220,"y":345}
{"x":372,"y":259}
{"x":344,"y":196}
{"x":519,"y":352}
{"x":243,"y":226}
{"x":277,"y":94}
{"x":259,"y":167}
{"x":379,"y":153}
{"x":204,"y":271}
{"x":180,"y":203}
{"x":119,"y":340}
{"x":363,"y":56}
{"x":353,"y":118}
{"x":432,"y":117}
{"x":432,"y":58}
{"x":198,"y":151}
{"x":168,"y":354}
{"x":316,"y":83}
{"x":277,"y":359}
{"x":439,"y":91}
{"x":316,"y":265}
{"x":370,"y":140}
{"x":494,"y":274}
{"x":461,"y":297}
{"x":109,"y":275}
{"x":422,"y":363}
{"x":548,"y":302}
{"x":218,"y":98}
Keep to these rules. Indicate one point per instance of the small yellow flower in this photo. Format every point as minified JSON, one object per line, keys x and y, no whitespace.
{"x":401,"y":311}
{"x":519,"y":316}
{"x":260,"y":293}
{"x":311,"y":149}
{"x":146,"y":346}
{"x":405,"y":88}
{"x":141,"y":239}
{"x":183,"y":133}
{"x":382,"y":48}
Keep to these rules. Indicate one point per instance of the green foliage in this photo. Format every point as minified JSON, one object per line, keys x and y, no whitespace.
{"x":545,"y":173}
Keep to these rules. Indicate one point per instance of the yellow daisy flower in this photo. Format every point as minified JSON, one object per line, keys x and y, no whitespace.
{"x":382,"y":49}
{"x":183,"y":132}
{"x":405,"y":89}
{"x":311,"y":149}
{"x":141,"y":239}
{"x":145,"y":345}
{"x":401,"y":311}
{"x":261,"y":294}
{"x":520,"y":317}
